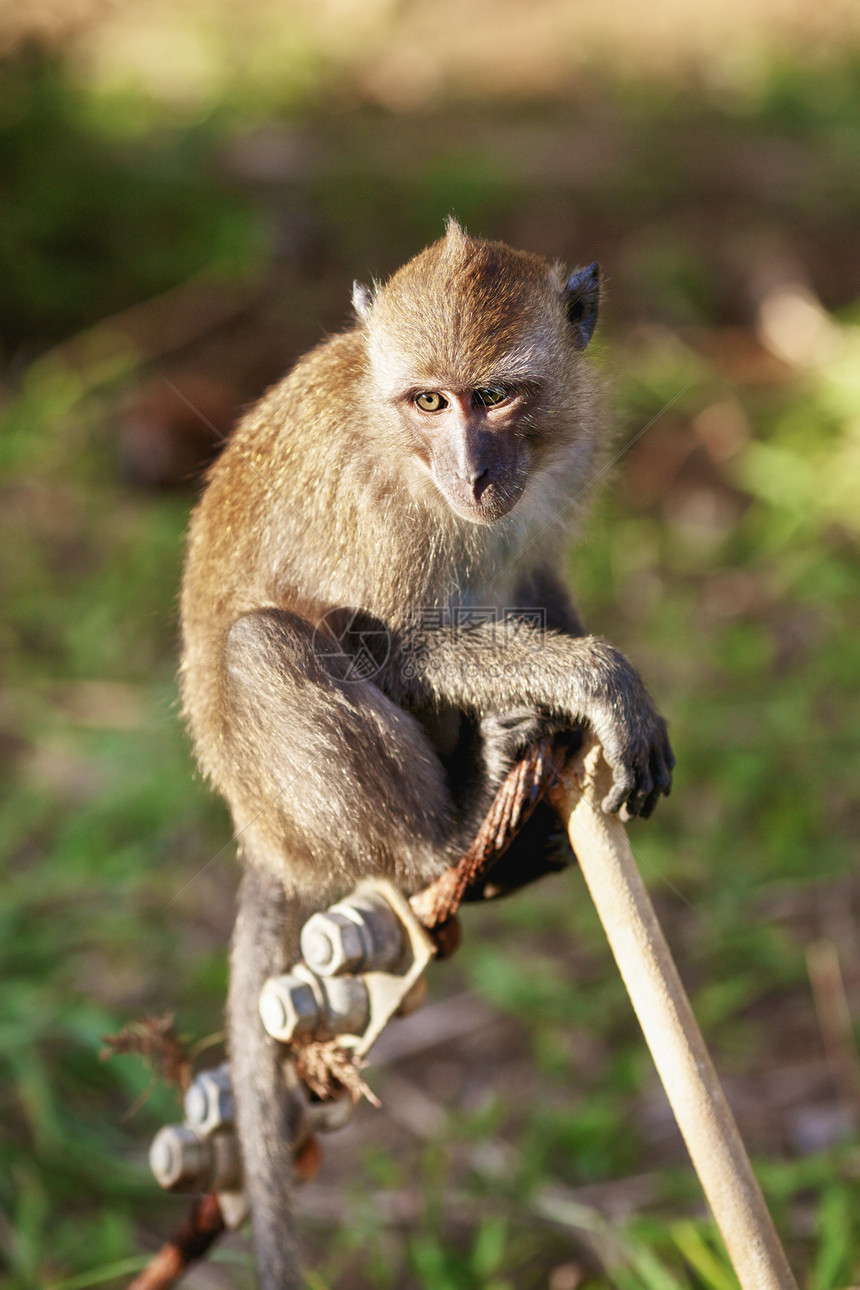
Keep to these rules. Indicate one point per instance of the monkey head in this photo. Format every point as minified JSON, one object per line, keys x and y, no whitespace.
{"x":474,"y":354}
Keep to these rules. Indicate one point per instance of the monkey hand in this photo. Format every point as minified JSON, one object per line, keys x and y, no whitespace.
{"x":633,"y":736}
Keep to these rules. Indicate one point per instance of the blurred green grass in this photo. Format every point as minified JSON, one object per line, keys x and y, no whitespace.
{"x":723,"y":558}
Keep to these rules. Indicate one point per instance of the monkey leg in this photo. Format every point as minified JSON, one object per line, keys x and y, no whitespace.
{"x":331,"y":779}
{"x":328,"y":780}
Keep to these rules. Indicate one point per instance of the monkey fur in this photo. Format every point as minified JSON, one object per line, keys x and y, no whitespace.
{"x":373,"y":625}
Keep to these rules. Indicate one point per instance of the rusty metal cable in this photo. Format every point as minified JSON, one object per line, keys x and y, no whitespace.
{"x":202,"y":1227}
{"x":526,"y":784}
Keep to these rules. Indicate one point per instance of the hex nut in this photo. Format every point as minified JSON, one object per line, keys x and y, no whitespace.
{"x":289,"y":1007}
{"x":176,"y":1157}
{"x":332,"y":943}
{"x":209,"y":1101}
{"x":360,"y":934}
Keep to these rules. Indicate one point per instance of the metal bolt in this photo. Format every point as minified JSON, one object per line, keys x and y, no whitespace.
{"x":346,"y":1007}
{"x":183,"y":1160}
{"x":209,"y":1102}
{"x":299,"y":1005}
{"x":362,"y":934}
{"x":308,"y":1115}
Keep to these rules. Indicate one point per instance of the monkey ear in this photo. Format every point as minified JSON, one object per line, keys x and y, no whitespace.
{"x":362,"y":300}
{"x":581,"y":296}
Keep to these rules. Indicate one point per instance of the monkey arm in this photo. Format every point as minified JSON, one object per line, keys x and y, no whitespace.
{"x":545,"y":604}
{"x":500,"y":667}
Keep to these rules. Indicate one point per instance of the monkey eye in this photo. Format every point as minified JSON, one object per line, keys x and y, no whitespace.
{"x":490,"y":395}
{"x":430,"y":401}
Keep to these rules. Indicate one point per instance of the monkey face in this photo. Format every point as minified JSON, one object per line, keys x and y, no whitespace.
{"x":469,"y":441}
{"x":476,"y":348}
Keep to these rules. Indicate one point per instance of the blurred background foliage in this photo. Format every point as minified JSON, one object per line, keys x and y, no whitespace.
{"x":187,"y":193}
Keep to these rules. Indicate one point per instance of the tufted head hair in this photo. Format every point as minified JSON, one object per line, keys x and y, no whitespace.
{"x":466,"y":311}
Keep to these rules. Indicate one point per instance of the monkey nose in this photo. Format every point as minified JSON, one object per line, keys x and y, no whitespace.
{"x":479,"y":483}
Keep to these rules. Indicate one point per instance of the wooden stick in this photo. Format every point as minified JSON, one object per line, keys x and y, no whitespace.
{"x":664,"y":1012}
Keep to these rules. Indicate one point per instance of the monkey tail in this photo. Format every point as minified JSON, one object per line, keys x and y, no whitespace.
{"x":267,"y":930}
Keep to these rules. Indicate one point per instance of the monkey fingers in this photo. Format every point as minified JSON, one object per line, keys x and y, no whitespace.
{"x":639,"y":780}
{"x":662,"y":764}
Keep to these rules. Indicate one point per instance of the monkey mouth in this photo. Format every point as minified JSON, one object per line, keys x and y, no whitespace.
{"x":491,"y":504}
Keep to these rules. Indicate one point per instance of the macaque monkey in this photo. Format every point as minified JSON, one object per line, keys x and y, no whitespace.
{"x":356,"y":675}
